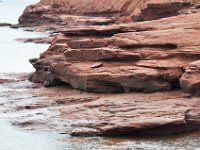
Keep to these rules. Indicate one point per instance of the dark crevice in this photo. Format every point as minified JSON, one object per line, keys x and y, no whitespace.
{"x":175,"y":85}
{"x":106,"y":33}
{"x":106,"y":86}
{"x":160,"y":46}
{"x":167,"y":129}
{"x":127,"y":59}
{"x":108,"y":13}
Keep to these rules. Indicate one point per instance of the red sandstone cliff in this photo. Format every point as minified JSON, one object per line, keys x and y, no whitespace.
{"x":142,"y":56}
{"x":90,"y":12}
{"x":122,"y":46}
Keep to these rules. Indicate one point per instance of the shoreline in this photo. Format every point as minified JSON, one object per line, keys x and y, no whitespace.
{"x":134,"y":79}
{"x":42,"y":110}
{"x":69,"y":103}
{"x":122,"y":58}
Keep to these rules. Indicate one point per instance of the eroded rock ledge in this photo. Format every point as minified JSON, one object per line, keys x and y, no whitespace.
{"x":159,"y":53}
{"x":55,"y":14}
{"x":94,"y":114}
{"x":147,"y":56}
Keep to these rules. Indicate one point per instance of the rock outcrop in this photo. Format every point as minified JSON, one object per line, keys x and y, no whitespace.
{"x":143,"y":56}
{"x":53,"y":14}
{"x":94,"y":114}
{"x":123,"y":46}
{"x":133,"y":114}
{"x":190,"y":81}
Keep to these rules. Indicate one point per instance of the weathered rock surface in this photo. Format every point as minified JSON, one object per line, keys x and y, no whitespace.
{"x":53,"y":14}
{"x":92,"y":114}
{"x":160,"y":113}
{"x":5,"y":24}
{"x":158,"y":53}
{"x":142,"y":56}
{"x":190,"y":81}
{"x":4,"y":81}
{"x":36,"y":40}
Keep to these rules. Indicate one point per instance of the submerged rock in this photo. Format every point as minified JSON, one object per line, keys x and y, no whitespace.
{"x":5,"y":24}
{"x":36,"y":40}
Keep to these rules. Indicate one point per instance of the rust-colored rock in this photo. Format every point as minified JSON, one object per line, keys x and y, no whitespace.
{"x":94,"y":114}
{"x":98,"y":54}
{"x":53,"y":14}
{"x":144,"y":56}
{"x":190,"y":81}
{"x":132,"y":114}
{"x":123,"y":46}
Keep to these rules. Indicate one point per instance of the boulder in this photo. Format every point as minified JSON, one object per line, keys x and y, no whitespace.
{"x":190,"y":81}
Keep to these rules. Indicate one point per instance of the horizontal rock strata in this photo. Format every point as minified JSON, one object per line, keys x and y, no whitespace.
{"x":94,"y":114}
{"x":126,"y":46}
{"x":53,"y":14}
{"x":147,"y":56}
{"x":133,"y":114}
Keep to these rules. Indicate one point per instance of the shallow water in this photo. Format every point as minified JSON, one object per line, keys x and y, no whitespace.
{"x":14,"y":57}
{"x":10,"y":10}
{"x":14,"y":139}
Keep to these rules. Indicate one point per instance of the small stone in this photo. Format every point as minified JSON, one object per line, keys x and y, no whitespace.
{"x":33,"y":60}
{"x":97,"y":65}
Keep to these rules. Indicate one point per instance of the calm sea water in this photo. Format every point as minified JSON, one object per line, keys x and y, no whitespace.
{"x":10,"y":10}
{"x":14,"y":139}
{"x":14,"y":57}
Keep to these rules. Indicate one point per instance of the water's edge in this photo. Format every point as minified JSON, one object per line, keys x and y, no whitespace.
{"x":13,"y":95}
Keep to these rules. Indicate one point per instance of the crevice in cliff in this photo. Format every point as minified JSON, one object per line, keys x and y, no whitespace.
{"x":107,"y":13}
{"x":104,"y":86}
{"x":92,"y":32}
{"x":159,"y":46}
{"x":175,"y":85}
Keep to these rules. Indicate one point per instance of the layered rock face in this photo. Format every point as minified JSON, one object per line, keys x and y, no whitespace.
{"x":53,"y":14}
{"x":92,"y":114}
{"x":134,"y":114}
{"x":123,"y":46}
{"x":143,"y":56}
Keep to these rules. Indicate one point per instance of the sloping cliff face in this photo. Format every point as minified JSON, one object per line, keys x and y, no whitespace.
{"x":144,"y":56}
{"x":123,"y":46}
{"x":92,"y":12}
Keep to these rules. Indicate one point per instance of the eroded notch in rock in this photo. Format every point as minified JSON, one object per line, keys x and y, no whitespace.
{"x":160,"y":46}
